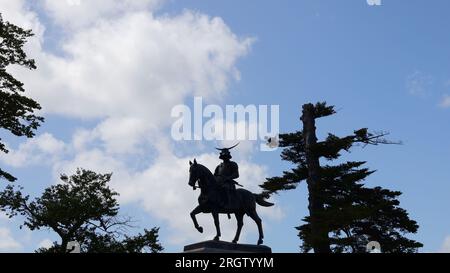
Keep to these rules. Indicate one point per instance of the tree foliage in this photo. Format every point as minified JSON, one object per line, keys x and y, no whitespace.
{"x":16,"y":110}
{"x":349,"y":213}
{"x":107,"y":242}
{"x":81,"y":208}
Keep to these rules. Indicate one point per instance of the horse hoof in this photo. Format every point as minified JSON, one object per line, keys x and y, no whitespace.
{"x":234,"y":241}
{"x":216,"y":238}
{"x":260,"y":241}
{"x":200,"y":229}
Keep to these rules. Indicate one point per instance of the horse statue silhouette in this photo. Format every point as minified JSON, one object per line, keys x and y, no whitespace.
{"x":242,"y":201}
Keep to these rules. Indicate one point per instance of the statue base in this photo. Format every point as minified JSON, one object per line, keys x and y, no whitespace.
{"x":212,"y":246}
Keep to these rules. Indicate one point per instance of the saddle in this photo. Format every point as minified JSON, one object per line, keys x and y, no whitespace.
{"x":227,"y":198}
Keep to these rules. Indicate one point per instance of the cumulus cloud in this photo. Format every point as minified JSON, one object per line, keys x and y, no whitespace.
{"x":161,"y":189}
{"x":117,"y":135}
{"x":82,"y":13}
{"x":124,"y":68}
{"x":7,"y":242}
{"x":137,"y":65}
{"x":130,"y":70}
{"x":19,"y":13}
{"x":43,"y":148}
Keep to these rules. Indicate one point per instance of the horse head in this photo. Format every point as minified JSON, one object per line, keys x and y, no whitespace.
{"x":194,"y":175}
{"x":202,"y":175}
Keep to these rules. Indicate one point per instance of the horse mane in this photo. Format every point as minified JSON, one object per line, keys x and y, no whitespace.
{"x":205,"y":169}
{"x":208,"y":172}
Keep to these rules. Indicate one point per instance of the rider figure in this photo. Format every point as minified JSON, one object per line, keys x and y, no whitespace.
{"x":225,"y":174}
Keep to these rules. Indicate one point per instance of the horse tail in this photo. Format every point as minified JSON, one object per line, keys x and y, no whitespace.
{"x":260,"y":200}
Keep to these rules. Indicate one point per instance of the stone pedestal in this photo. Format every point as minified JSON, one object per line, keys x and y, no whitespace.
{"x":225,"y":247}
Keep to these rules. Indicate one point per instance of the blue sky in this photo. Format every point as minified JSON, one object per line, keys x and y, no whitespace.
{"x":384,"y":67}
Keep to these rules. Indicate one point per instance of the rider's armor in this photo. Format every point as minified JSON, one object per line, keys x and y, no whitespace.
{"x":225,"y":174}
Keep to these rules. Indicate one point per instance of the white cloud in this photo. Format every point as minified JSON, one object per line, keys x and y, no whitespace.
{"x":162,"y":189}
{"x":44,"y":148}
{"x":4,"y":216}
{"x":445,"y":101}
{"x":137,"y":65}
{"x":113,"y":132}
{"x":126,"y":70}
{"x":7,"y":242}
{"x":46,"y":243}
{"x":445,"y":245}
{"x":117,"y":135}
{"x":94,"y":159}
{"x":130,"y":70}
{"x":19,"y":13}
{"x":82,"y":13}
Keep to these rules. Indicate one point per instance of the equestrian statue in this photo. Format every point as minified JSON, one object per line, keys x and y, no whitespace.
{"x":218,"y":194}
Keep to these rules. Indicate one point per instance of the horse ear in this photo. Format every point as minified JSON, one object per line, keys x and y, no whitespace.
{"x":190,"y":163}
{"x":195,"y":161}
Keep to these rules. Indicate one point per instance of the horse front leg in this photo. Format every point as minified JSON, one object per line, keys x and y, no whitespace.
{"x":217,"y":224}
{"x":196,"y":211}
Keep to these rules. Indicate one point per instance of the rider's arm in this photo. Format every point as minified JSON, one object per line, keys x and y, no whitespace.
{"x":235,"y":173}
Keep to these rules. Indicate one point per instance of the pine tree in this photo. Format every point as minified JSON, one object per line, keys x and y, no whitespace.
{"x":16,"y":110}
{"x":344,"y":215}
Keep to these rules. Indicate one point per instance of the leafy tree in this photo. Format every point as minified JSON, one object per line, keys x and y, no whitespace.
{"x":344,"y":215}
{"x":107,"y":242}
{"x":146,"y":242}
{"x":81,"y":208}
{"x":16,"y":110}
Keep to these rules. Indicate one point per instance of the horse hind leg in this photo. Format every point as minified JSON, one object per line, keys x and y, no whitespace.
{"x":240,"y":223}
{"x":254,"y":215}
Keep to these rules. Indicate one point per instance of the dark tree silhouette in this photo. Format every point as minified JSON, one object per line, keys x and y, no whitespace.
{"x":107,"y":243}
{"x":112,"y":242}
{"x":16,"y":111}
{"x":81,"y":208}
{"x":344,"y":215}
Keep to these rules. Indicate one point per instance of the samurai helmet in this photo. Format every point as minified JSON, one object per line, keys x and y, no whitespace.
{"x":225,"y":152}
